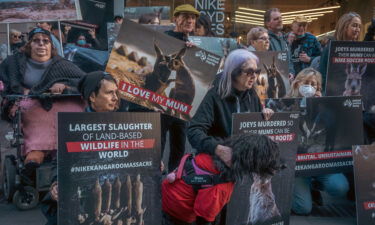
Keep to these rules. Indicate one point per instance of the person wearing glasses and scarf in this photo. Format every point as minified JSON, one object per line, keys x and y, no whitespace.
{"x":233,"y":93}
{"x":258,"y":39}
{"x":35,"y":70}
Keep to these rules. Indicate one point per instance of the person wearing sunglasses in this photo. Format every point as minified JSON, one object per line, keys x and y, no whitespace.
{"x":233,"y":92}
{"x":35,"y":70}
{"x":16,"y":40}
{"x":258,"y":39}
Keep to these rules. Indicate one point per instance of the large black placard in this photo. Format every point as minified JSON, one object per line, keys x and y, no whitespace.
{"x":351,"y":70}
{"x":364,"y":176}
{"x":329,"y":126}
{"x":250,"y":196}
{"x":108,"y":168}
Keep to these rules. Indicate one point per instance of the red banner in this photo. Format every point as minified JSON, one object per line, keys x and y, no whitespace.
{"x":282,"y":137}
{"x":353,"y":60}
{"x":369,"y":205}
{"x":324,"y":155}
{"x":87,"y":146}
{"x":154,"y":97}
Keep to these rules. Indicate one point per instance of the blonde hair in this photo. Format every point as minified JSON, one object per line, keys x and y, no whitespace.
{"x":254,"y":34}
{"x":302,"y":76}
{"x":343,"y":24}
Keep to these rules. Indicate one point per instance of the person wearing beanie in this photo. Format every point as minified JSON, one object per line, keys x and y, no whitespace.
{"x":99,"y":89}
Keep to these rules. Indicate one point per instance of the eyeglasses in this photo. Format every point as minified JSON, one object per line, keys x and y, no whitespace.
{"x":17,"y":36}
{"x":251,"y":71}
{"x":44,"y":41}
{"x":264,"y":38}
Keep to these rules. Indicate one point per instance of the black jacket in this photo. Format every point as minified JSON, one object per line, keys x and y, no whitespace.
{"x":212,"y":122}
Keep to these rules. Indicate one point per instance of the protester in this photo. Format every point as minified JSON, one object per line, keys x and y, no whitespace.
{"x":35,"y":70}
{"x":16,"y":41}
{"x":235,"y":93}
{"x":307,"y":189}
{"x":185,"y":17}
{"x":99,"y":90}
{"x":348,"y":28}
{"x":56,"y":43}
{"x":258,"y":40}
{"x":118,"y":19}
{"x":305,"y":47}
{"x":203,"y":27}
{"x":274,"y":23}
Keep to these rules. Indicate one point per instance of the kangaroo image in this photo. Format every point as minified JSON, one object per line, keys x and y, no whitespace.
{"x":353,"y":80}
{"x":262,"y":200}
{"x":276,"y":86}
{"x":309,"y":137}
{"x":184,"y":89}
{"x":261,"y":88}
{"x":148,"y":18}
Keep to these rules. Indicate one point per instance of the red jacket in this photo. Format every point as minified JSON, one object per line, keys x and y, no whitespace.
{"x":183,"y":203}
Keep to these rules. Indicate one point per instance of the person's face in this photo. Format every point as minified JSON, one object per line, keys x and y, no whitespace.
{"x":119,"y":20}
{"x":106,"y":100}
{"x":262,"y":43}
{"x":185,"y":22}
{"x":353,"y":29}
{"x":276,"y":22}
{"x":248,"y":77}
{"x":311,"y":80}
{"x":15,"y":37}
{"x":41,"y":47}
{"x":44,"y":26}
{"x":81,"y":37}
{"x":299,"y":28}
{"x":199,"y":31}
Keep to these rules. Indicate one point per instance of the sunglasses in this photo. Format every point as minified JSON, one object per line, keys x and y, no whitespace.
{"x":45,"y":41}
{"x":251,"y":71}
{"x":16,"y":36}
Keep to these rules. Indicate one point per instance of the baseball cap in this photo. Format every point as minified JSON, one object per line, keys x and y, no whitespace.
{"x":38,"y":30}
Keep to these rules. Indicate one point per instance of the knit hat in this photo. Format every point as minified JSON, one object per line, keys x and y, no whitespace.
{"x":187,"y":8}
{"x":38,"y":30}
{"x":90,"y":82}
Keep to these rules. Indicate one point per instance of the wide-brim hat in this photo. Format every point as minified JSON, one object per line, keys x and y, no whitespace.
{"x":300,"y":19}
{"x":185,"y":8}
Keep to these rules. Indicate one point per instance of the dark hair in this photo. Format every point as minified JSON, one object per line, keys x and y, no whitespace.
{"x":107,"y":77}
{"x":118,"y":17}
{"x":26,"y":49}
{"x":267,"y":15}
{"x":205,"y":21}
{"x":370,"y":32}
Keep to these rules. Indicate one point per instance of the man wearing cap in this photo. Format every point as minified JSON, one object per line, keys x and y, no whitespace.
{"x":184,"y":17}
{"x":274,"y":24}
{"x":305,"y":47}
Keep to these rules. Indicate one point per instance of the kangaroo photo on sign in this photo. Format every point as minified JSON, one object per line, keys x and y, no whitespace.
{"x":364,"y":177}
{"x":159,"y":72}
{"x":329,"y":126}
{"x":273,"y":81}
{"x":109,"y":168}
{"x":38,"y":10}
{"x":265,"y":198}
{"x":157,"y":15}
{"x":351,"y":71}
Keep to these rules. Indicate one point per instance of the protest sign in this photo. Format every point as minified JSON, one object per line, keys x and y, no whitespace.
{"x":148,"y":15}
{"x":326,"y":127}
{"x":38,"y":10}
{"x":266,"y":199}
{"x":108,"y":168}
{"x":159,"y":72}
{"x":351,"y":71}
{"x":364,"y":177}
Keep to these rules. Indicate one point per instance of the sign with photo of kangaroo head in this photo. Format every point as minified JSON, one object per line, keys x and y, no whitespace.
{"x":156,"y":15}
{"x":263,"y":198}
{"x":351,"y":71}
{"x":159,"y":72}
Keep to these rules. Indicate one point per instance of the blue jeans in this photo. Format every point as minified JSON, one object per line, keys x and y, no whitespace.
{"x":336,"y":185}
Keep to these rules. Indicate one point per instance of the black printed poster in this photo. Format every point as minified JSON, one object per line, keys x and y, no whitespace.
{"x":329,"y":126}
{"x":108,"y":168}
{"x":351,"y":71}
{"x":266,"y":200}
{"x":364,"y":176}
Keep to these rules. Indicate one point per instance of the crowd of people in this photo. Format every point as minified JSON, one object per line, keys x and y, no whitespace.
{"x":36,"y":66}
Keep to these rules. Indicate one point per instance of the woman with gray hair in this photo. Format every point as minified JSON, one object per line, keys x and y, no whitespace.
{"x":234,"y":93}
{"x":258,"y":40}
